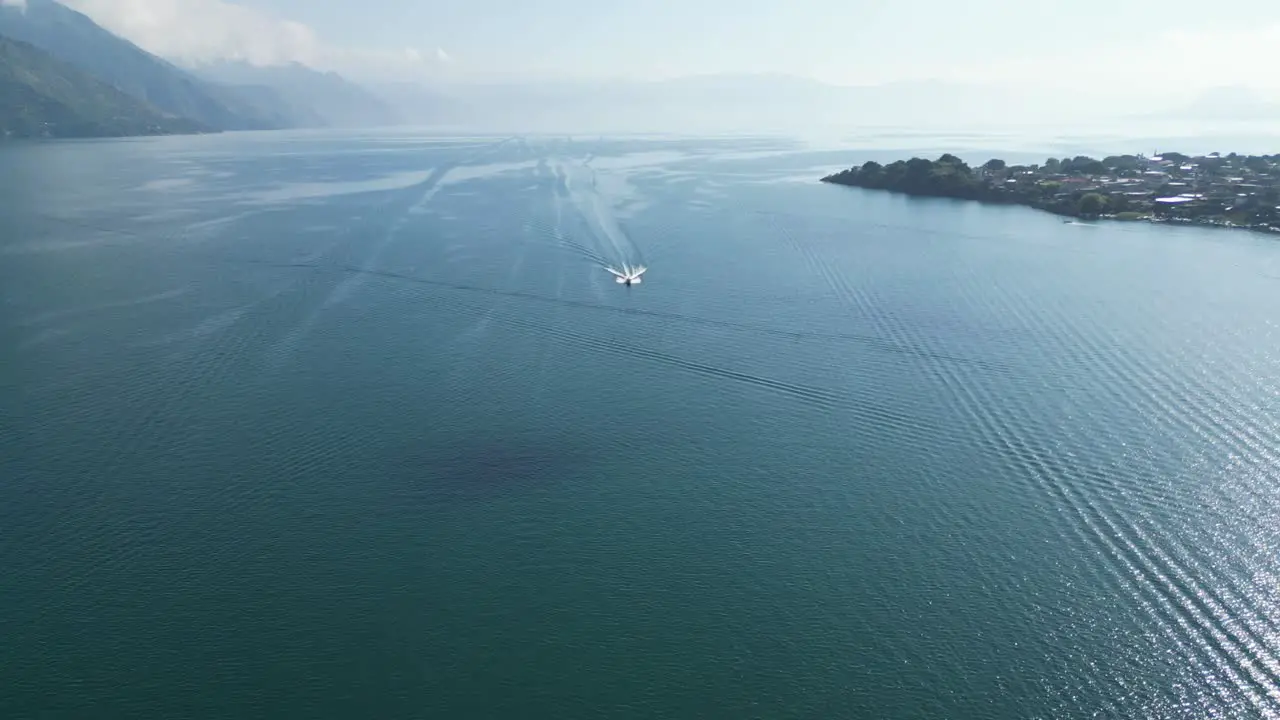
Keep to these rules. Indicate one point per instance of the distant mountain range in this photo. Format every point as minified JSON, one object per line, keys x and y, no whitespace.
{"x":751,"y":103}
{"x":52,"y":47}
{"x":66,"y":49}
{"x":43,"y":96}
{"x":1229,"y":103}
{"x":780,"y":103}
{"x":77,"y":40}
{"x":309,"y":98}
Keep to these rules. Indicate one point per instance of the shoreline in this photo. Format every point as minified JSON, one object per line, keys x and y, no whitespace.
{"x":1225,"y":191}
{"x":1067,"y":217}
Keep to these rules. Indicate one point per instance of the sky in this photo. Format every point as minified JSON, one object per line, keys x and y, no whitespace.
{"x":1080,"y":44}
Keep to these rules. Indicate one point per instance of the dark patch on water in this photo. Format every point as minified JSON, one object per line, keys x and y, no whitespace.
{"x":485,"y":466}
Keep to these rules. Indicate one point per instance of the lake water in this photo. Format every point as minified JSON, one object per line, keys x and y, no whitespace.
{"x":345,"y":426}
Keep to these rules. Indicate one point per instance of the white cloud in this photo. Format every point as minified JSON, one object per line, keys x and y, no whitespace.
{"x":191,"y":32}
{"x":20,"y":4}
{"x":443,"y":56}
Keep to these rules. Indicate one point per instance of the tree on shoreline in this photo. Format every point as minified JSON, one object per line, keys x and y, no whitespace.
{"x":1092,"y":204}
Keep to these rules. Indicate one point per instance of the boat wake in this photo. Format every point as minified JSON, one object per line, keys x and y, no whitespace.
{"x":605,"y":241}
{"x":628,"y":275}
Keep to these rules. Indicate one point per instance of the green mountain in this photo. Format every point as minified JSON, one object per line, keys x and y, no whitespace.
{"x":41,"y":96}
{"x":75,"y":39}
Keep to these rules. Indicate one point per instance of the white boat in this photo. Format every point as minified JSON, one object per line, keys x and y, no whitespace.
{"x":628,"y":275}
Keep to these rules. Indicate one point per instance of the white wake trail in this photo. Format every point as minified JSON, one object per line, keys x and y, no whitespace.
{"x":582,"y":188}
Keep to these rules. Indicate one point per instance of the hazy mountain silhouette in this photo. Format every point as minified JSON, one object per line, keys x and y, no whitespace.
{"x":310,"y":98}
{"x":1229,"y":103}
{"x":729,"y":102}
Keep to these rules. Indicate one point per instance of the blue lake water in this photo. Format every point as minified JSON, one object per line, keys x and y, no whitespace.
{"x":335,"y":426}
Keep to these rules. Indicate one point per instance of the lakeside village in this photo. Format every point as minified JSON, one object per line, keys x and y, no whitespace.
{"x":1240,"y":191}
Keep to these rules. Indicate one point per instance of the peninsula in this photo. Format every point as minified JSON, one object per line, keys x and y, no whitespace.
{"x":1223,"y":190}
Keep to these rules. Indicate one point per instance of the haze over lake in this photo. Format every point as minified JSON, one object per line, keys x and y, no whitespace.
{"x":357,"y":425}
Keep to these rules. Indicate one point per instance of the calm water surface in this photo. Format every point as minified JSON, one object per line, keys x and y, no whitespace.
{"x":357,"y":426}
